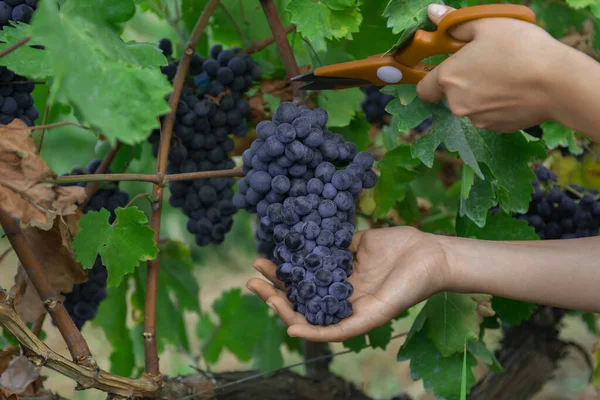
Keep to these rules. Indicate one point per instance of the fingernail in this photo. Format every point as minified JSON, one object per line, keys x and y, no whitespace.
{"x":251,"y":289}
{"x":272,"y":307}
{"x":256,"y":268}
{"x":437,"y":10}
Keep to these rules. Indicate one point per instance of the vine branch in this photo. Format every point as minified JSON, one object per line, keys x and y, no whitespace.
{"x":75,"y":342}
{"x":14,"y":46}
{"x":258,"y":46}
{"x":86,"y":376}
{"x":154,"y":178}
{"x":150,"y":348}
{"x":283,"y":45}
{"x":92,"y":187}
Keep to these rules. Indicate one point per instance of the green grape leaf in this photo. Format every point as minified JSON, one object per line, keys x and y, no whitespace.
{"x":190,"y":11}
{"x":122,"y":244}
{"x":409,"y":115}
{"x":324,"y":19}
{"x":440,"y":374}
{"x":266,"y":353}
{"x":26,"y":61}
{"x":356,"y":343}
{"x":590,"y":322}
{"x":499,"y":227}
{"x":380,"y":337}
{"x":397,"y":170}
{"x":357,"y":132}
{"x":345,"y":22}
{"x":408,"y":207}
{"x":341,"y":105}
{"x":206,"y":330}
{"x":504,"y":156}
{"x":512,"y":311}
{"x":176,"y":274}
{"x":478,"y":348}
{"x":480,"y":199}
{"x":112,"y":318}
{"x":451,"y":320}
{"x":103,"y":11}
{"x":405,"y":93}
{"x":104,"y":79}
{"x":373,"y":32}
{"x":246,"y":329}
{"x":579,"y":4}
{"x":405,"y":17}
{"x":556,"y":134}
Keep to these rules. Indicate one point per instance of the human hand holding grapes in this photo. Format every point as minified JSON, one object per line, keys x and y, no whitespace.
{"x":394,"y":269}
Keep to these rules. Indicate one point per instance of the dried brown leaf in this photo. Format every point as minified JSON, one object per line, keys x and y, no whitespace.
{"x":53,"y":250}
{"x":18,"y":376}
{"x":6,"y":356}
{"x":22,"y":194}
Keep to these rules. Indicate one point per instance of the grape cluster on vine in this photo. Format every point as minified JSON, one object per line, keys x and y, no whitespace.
{"x":83,"y":301}
{"x":15,"y":90}
{"x":212,"y":106}
{"x":374,"y":104}
{"x":17,"y":11}
{"x":303,"y":181}
{"x":561,"y":213}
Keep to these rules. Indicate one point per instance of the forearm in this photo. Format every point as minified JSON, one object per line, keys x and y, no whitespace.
{"x":561,"y":273}
{"x":576,"y":89}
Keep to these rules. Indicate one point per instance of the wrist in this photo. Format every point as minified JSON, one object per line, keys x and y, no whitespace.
{"x":568,"y":76}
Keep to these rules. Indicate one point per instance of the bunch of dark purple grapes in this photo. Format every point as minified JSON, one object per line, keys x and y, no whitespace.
{"x":206,"y":116}
{"x":83,"y":301}
{"x":557,"y":213}
{"x":374,"y":104}
{"x":16,"y":10}
{"x":303,"y":181}
{"x":15,"y":90}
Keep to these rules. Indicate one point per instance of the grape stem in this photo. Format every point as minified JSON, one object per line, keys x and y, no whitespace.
{"x":150,"y":345}
{"x":14,"y":46}
{"x":285,"y":50}
{"x":52,"y":302}
{"x":258,"y":46}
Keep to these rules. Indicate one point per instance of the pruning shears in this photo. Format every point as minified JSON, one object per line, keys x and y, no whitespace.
{"x":403,"y":65}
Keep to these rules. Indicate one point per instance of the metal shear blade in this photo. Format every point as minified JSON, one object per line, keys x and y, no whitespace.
{"x":328,"y":82}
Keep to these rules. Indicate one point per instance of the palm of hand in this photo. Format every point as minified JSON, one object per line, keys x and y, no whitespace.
{"x":392,"y":271}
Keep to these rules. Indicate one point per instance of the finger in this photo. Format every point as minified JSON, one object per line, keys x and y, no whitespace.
{"x":437,"y":11}
{"x":429,"y":88}
{"x":464,"y":32}
{"x":268,"y":270}
{"x":367,"y":315}
{"x":356,"y":238}
{"x":264,"y":290}
{"x":284,"y":310}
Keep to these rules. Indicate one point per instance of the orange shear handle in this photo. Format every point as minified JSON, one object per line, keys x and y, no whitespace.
{"x":425,"y":44}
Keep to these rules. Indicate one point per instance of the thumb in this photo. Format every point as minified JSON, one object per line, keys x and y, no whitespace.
{"x":464,"y":32}
{"x":437,"y":11}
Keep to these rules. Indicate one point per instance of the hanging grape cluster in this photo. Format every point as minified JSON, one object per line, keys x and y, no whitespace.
{"x":15,"y":90}
{"x":212,"y":106}
{"x":17,"y":11}
{"x":303,"y":182}
{"x":83,"y":301}
{"x":557,"y":213}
